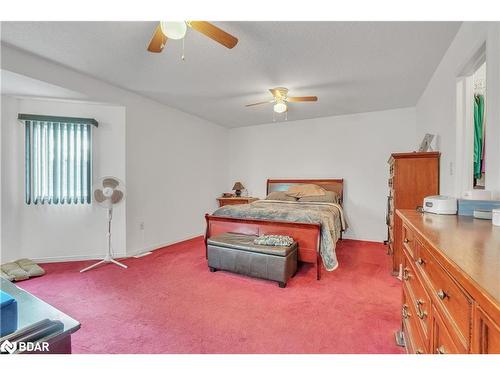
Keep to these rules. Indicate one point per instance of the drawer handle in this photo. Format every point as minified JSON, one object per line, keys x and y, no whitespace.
{"x":406,"y":273}
{"x":441,"y":350}
{"x":441,"y":294}
{"x":404,"y":311}
{"x":419,"y":351}
{"x":420,"y":261}
{"x":421,"y":314}
{"x":406,"y":240}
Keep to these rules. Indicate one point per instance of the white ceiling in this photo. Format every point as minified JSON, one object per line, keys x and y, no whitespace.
{"x":351,"y":66}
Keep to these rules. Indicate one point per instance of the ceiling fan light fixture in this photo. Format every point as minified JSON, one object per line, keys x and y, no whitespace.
{"x":280,"y":107}
{"x":173,"y":29}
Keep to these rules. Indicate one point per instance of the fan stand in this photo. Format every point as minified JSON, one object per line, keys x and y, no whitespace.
{"x":108,"y":258}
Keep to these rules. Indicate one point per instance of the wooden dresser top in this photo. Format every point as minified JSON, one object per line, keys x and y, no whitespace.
{"x":471,"y":246}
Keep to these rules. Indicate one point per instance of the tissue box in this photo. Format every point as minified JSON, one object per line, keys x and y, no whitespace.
{"x":8,"y":314}
{"x":466,"y":207}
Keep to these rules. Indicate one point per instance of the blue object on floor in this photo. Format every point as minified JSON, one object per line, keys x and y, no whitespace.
{"x":8,"y":314}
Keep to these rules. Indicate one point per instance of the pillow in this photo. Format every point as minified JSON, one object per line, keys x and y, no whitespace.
{"x":21,"y":269}
{"x":329,"y":197}
{"x":305,"y":190}
{"x":280,"y":196}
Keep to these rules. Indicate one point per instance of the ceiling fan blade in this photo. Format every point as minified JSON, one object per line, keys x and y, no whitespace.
{"x":279,"y":92}
{"x":158,"y":40}
{"x":213,"y":32}
{"x":259,"y":103}
{"x":302,"y":98}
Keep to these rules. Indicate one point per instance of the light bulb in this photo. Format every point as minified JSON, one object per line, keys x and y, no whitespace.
{"x":173,"y":29}
{"x":280,"y":107}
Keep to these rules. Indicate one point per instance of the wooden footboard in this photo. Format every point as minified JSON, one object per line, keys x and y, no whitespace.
{"x":307,"y":235}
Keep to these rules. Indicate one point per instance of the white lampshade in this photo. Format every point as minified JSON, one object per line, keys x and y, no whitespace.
{"x":280,"y":107}
{"x":173,"y":29}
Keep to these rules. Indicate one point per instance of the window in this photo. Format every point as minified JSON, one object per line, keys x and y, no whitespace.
{"x":58,"y":159}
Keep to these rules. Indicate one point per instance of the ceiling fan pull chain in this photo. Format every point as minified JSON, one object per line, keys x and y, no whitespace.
{"x":182,"y":57}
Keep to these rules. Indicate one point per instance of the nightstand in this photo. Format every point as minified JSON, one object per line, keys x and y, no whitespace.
{"x":235,"y":200}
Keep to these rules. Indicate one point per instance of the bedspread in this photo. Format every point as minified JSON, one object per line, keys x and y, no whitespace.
{"x":329,"y":215}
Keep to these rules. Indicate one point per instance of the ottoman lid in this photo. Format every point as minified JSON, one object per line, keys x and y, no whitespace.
{"x":245,"y":242}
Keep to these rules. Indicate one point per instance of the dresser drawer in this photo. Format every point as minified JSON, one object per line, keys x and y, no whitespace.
{"x":486,"y":336}
{"x":419,"y":299}
{"x":411,"y":330}
{"x":443,"y":341}
{"x":409,"y":241}
{"x":447,"y":295}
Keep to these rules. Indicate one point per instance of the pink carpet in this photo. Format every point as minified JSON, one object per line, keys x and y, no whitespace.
{"x":169,"y":302}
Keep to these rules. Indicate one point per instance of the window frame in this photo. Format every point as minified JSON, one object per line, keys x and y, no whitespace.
{"x":58,"y":159}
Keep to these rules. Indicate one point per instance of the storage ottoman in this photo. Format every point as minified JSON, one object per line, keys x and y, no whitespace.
{"x":237,"y":253}
{"x":8,"y":314}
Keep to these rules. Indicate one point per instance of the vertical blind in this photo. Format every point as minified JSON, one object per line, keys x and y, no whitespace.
{"x":58,"y":159}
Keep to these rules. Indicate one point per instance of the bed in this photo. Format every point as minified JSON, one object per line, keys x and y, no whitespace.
{"x":315,"y":226}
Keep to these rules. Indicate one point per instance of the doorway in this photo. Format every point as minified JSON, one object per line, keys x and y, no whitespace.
{"x":471,"y":126}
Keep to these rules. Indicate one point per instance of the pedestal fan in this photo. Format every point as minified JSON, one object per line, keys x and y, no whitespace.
{"x":108,"y":192}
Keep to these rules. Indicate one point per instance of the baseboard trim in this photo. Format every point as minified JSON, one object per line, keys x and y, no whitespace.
{"x":344,"y":237}
{"x":367,"y":241}
{"x":77,"y":258}
{"x":153,"y":248}
{"x":163,"y":245}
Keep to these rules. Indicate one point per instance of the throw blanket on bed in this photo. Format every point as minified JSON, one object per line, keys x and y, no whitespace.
{"x":329,"y":215}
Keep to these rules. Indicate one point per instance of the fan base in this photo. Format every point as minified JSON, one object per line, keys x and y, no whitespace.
{"x":108,"y":259}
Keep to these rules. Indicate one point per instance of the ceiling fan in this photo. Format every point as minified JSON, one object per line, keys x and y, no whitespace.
{"x":177,"y":30}
{"x":281,"y":99}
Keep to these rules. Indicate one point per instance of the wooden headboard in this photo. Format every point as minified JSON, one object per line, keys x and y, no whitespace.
{"x":330,"y":184}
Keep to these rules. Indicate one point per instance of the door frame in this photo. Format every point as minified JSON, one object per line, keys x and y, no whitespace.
{"x":464,"y":171}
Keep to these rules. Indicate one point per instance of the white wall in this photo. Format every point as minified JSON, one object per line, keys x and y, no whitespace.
{"x":353,"y":147}
{"x":176,"y":167}
{"x":175,"y":162}
{"x":436,"y":109}
{"x":48,"y":232}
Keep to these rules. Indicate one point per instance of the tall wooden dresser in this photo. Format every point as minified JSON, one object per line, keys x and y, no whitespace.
{"x":412,"y":176}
